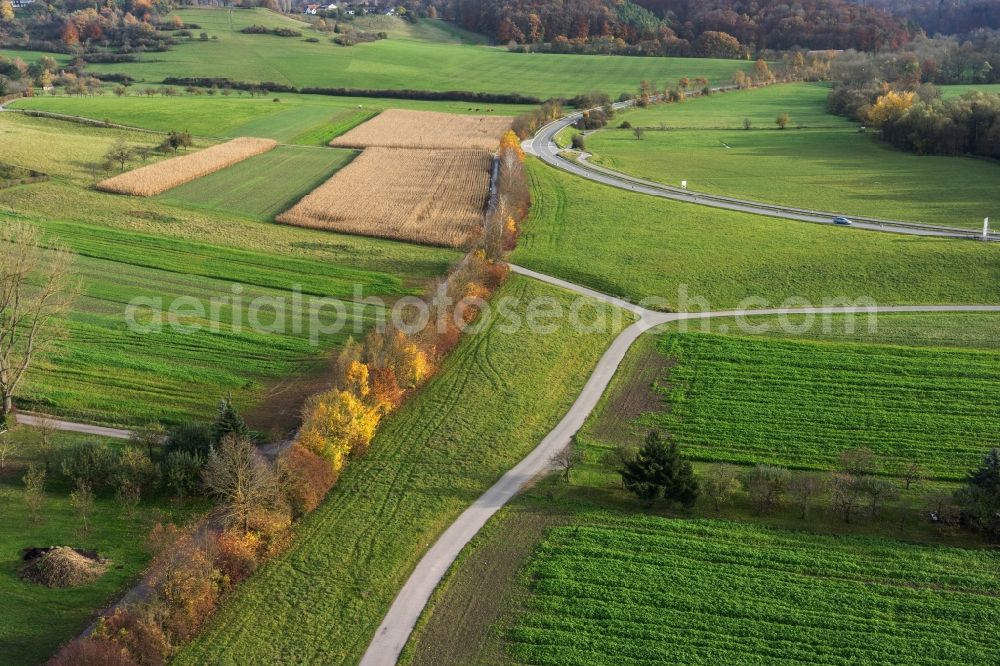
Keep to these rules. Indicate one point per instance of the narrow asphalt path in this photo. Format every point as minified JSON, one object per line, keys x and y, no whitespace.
{"x":37,"y":420}
{"x":396,"y":627}
{"x":543,"y":146}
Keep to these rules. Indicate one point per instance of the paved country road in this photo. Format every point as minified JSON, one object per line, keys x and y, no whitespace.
{"x":84,"y":428}
{"x":543,"y":146}
{"x":406,"y":609}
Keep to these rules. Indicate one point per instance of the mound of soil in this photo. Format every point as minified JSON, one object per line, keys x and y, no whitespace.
{"x":61,"y":566}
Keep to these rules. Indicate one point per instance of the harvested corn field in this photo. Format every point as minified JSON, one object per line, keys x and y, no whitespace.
{"x":156,"y":178}
{"x":398,"y":128}
{"x":424,"y":196}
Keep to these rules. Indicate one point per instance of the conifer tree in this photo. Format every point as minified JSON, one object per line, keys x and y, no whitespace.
{"x":659,"y":471}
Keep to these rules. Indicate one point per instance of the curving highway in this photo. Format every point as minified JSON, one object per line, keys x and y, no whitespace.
{"x":543,"y":146}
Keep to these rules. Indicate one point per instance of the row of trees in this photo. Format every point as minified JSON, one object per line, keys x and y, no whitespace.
{"x":373,"y":377}
{"x":69,"y":26}
{"x":510,"y":200}
{"x":657,"y":471}
{"x":194,"y":567}
{"x":940,"y":60}
{"x":919,"y":121}
{"x":718,"y":28}
{"x":121,"y":154}
{"x":153,"y":462}
{"x":17,"y":76}
{"x":526,"y":124}
{"x":947,"y":17}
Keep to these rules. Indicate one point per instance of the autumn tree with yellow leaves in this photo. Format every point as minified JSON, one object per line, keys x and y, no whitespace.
{"x":890,"y":106}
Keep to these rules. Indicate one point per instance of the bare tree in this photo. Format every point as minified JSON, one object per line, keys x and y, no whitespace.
{"x":493,"y":229}
{"x":35,"y":288}
{"x":567,"y":458}
{"x":911,"y":473}
{"x":943,"y":511}
{"x":615,"y":459}
{"x":845,"y":493}
{"x":766,"y":484}
{"x":720,"y":484}
{"x":82,"y":501}
{"x":34,"y":491}
{"x":240,"y":479}
{"x":638,"y":132}
{"x":120,"y":153}
{"x":149,"y":437}
{"x":46,"y":445}
{"x":805,"y":489}
{"x":859,"y":462}
{"x":7,"y":446}
{"x":879,"y":491}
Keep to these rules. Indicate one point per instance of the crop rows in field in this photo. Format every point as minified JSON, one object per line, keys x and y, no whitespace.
{"x":399,"y":128}
{"x":156,"y":178}
{"x":425,"y":196}
{"x":650,"y":590}
{"x":796,"y":403}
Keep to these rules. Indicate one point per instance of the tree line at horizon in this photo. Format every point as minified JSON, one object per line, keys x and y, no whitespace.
{"x":719,"y":28}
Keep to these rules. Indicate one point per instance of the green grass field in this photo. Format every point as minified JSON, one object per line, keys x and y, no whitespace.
{"x":428,"y":59}
{"x":133,"y":247}
{"x":35,"y":620}
{"x":423,"y":30}
{"x":835,"y":170}
{"x":637,"y":247}
{"x":106,"y":372}
{"x":639,"y":590}
{"x":69,"y":150}
{"x":494,"y":400}
{"x":748,"y":400}
{"x":311,"y":120}
{"x":264,"y":185}
{"x":803,"y":102}
{"x":958,"y":90}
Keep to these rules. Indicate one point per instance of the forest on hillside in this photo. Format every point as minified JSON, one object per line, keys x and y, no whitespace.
{"x":715,"y":28}
{"x":946,"y":17}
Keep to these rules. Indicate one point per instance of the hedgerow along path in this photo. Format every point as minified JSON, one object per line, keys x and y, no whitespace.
{"x":491,"y":403}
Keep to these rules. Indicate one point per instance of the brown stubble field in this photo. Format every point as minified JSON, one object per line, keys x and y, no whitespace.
{"x":399,"y":128}
{"x":157,"y":178}
{"x":434,"y":197}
